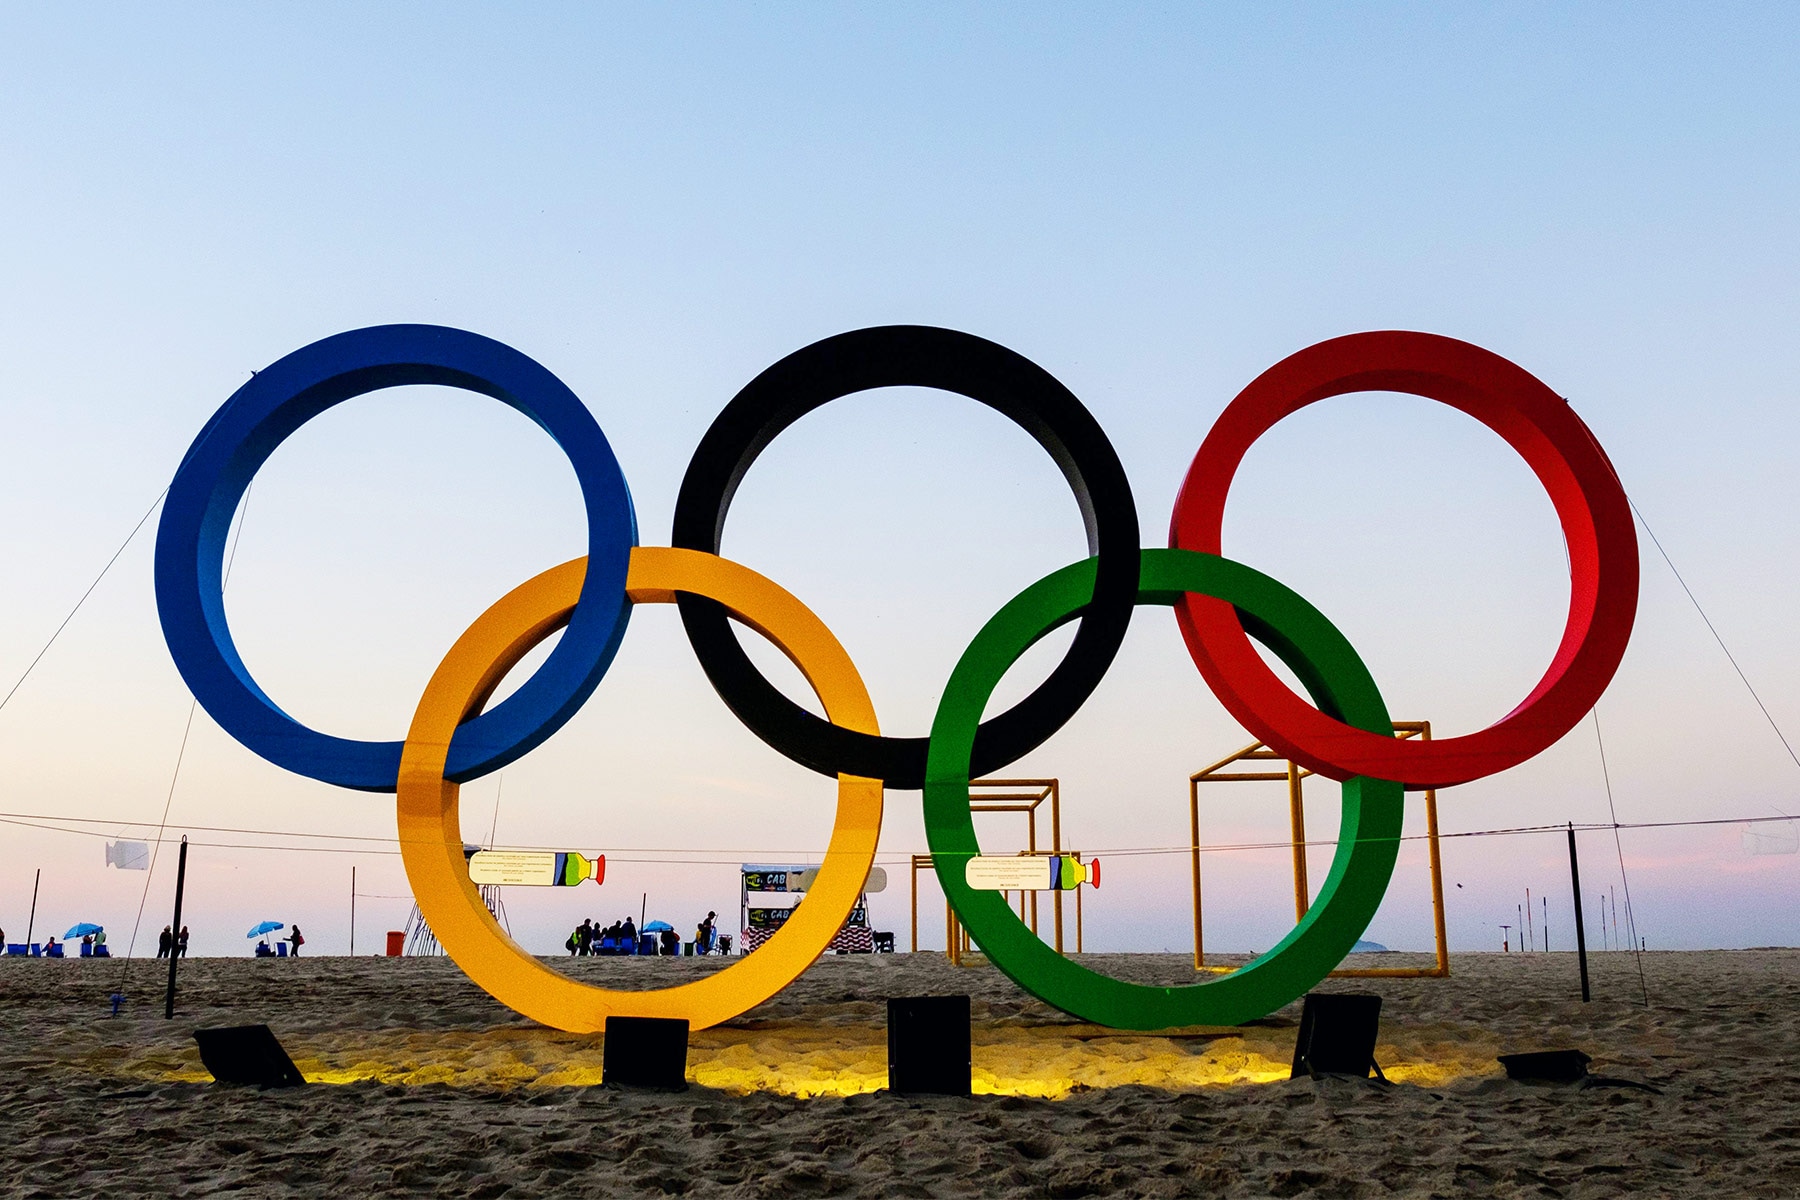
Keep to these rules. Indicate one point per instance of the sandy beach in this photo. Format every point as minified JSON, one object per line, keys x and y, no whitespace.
{"x":422,"y":1085}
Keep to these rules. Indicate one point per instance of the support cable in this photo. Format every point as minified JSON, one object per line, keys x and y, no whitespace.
{"x":32,"y":666}
{"x":175,"y":777}
{"x":1619,"y":846}
{"x":678,"y":856}
{"x":1710,"y":628}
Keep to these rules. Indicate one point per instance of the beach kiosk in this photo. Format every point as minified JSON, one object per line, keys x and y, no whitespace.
{"x":769,"y":894}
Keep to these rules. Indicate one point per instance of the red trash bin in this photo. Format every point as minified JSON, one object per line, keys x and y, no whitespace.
{"x":396,"y":943}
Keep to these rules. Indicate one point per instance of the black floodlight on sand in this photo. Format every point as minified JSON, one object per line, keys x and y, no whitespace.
{"x":929,"y":1046}
{"x":247,"y":1054}
{"x":1337,"y":1036}
{"x":1547,"y":1066}
{"x":1563,"y":1066}
{"x":645,"y":1052}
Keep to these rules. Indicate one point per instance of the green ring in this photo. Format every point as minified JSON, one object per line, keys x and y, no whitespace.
{"x":1368,"y":844}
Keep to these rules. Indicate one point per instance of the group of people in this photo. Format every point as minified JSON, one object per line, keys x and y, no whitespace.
{"x":621,"y":937}
{"x":52,"y":947}
{"x":263,"y":949}
{"x":170,"y":944}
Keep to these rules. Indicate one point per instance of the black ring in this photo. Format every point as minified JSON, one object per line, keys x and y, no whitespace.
{"x":911,"y":356}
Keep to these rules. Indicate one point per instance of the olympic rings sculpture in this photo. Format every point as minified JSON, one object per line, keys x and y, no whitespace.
{"x":454,"y":737}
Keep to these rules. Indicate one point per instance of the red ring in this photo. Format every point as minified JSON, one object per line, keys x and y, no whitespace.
{"x":1561,"y":451}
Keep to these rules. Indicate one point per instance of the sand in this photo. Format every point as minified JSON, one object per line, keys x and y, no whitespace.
{"x":422,"y":1085}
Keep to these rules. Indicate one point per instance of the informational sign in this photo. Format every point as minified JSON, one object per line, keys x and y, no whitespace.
{"x":535,"y":868}
{"x":802,"y":881}
{"x":769,"y":918}
{"x":1030,"y":873}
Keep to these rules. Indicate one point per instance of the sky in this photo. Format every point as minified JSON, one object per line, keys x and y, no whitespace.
{"x":1154,"y":203}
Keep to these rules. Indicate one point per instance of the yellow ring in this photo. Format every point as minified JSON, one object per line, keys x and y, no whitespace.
{"x":431,"y":834}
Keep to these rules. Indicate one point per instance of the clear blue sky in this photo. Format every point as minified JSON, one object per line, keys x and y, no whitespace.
{"x":1153,"y":203}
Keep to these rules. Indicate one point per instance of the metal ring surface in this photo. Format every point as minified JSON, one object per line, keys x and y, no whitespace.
{"x":1368,"y":841}
{"x":919,"y":356}
{"x":1560,"y":449}
{"x":244,"y":432}
{"x":431,"y":841}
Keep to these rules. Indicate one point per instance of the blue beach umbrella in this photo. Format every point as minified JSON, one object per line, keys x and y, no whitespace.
{"x":265,"y":927}
{"x":657,"y":927}
{"x":83,"y":929}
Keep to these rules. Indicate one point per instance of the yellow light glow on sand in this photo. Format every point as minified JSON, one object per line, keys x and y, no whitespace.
{"x":794,"y":1059}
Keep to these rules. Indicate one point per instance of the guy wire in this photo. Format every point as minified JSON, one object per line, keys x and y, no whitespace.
{"x":180,"y":755}
{"x":1619,"y":846}
{"x":32,"y":666}
{"x":1732,"y":659}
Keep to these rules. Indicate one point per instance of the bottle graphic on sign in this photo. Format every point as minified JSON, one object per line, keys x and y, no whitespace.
{"x":535,"y":868}
{"x":1030,"y":873}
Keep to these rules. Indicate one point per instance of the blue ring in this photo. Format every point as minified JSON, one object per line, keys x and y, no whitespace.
{"x":212,"y":479}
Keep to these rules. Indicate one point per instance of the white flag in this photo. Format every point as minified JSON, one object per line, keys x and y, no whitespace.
{"x":128,"y":856}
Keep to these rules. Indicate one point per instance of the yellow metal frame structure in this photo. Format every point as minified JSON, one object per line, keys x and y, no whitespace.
{"x":1006,"y":795}
{"x":1293,"y":774}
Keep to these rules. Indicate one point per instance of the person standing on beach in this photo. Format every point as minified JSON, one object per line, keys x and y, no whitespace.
{"x":165,"y":943}
{"x":298,"y":942}
{"x":183,"y":941}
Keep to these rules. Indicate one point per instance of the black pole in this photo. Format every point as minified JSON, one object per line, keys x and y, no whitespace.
{"x":1580,"y":929}
{"x":352,"y":912}
{"x":36,"y":879}
{"x":175,"y":930}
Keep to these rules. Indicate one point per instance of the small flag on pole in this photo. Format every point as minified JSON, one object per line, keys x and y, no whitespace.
{"x":128,"y":856}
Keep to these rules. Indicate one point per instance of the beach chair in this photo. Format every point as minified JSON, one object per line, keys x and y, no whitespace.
{"x":280,"y":949}
{"x":55,"y":951}
{"x":19,"y":948}
{"x":100,"y":951}
{"x":87,"y":950}
{"x":646,"y":943}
